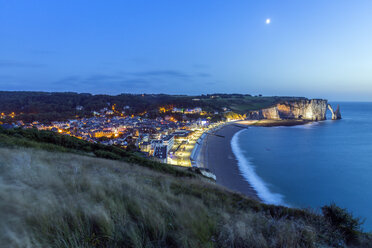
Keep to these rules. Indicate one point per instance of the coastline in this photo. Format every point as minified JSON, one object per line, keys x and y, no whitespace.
{"x":274,"y":123}
{"x":216,"y":154}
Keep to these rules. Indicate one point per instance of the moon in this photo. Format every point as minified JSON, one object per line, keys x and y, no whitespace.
{"x":268,"y":20}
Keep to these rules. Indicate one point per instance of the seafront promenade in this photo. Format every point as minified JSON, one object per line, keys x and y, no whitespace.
{"x":196,"y":157}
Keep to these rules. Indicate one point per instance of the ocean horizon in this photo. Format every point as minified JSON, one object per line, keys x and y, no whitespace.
{"x":312,"y":165}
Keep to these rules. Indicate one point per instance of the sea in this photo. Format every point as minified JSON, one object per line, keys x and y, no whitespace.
{"x":312,"y":165}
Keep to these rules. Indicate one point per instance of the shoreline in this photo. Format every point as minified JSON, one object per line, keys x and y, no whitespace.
{"x":274,"y":123}
{"x":216,"y":154}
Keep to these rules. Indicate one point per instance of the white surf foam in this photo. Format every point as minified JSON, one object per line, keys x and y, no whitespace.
{"x":310,"y":125}
{"x":248,"y":172}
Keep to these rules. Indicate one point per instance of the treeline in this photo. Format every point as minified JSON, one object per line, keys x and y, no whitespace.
{"x":55,"y":106}
{"x":43,"y":106}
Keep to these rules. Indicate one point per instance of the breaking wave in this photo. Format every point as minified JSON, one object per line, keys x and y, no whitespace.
{"x":248,"y":172}
{"x":310,"y":125}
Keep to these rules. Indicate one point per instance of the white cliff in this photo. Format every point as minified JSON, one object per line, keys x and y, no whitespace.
{"x":303,"y":109}
{"x":336,"y":115}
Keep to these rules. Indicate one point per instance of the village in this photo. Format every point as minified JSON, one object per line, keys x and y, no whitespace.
{"x":162,"y":139}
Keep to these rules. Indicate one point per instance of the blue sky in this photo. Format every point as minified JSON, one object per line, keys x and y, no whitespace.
{"x":312,"y":48}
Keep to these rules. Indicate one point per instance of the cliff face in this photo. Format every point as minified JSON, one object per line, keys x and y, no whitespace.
{"x":336,"y":115}
{"x":312,"y":110}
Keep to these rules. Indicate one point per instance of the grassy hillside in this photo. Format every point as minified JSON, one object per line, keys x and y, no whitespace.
{"x":50,"y":141}
{"x":56,"y":198}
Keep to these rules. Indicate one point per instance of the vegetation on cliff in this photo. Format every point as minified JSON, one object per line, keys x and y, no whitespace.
{"x":45,"y":107}
{"x":67,"y":197}
{"x":300,"y":109}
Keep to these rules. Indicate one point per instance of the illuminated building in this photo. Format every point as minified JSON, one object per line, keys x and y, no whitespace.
{"x":160,"y":153}
{"x":168,"y":141}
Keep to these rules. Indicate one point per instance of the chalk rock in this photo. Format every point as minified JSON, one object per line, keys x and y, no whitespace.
{"x":336,"y":115}
{"x":302,"y":109}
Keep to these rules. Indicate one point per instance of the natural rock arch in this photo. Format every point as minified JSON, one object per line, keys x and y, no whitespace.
{"x":336,"y":115}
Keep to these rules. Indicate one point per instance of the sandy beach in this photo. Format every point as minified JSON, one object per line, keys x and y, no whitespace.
{"x":216,"y":155}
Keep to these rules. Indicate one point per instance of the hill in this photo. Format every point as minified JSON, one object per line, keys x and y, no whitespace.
{"x":61,"y":195}
{"x":56,"y":106}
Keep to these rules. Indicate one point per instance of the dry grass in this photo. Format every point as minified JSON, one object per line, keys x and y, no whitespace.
{"x":68,"y":200}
